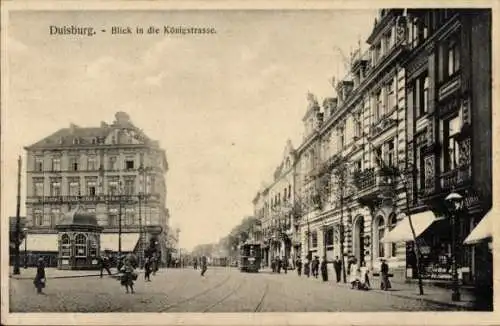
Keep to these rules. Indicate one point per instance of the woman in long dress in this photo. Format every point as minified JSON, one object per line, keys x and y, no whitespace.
{"x":364,"y":277}
{"x":39,"y":280}
{"x":127,"y":278}
{"x":354,"y":274}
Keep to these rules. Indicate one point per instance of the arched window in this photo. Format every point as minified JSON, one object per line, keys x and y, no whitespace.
{"x":65,"y":246}
{"x":81,"y":245}
{"x":381,"y":233}
{"x":393,"y":220}
{"x":93,"y":246}
{"x":314,"y":239}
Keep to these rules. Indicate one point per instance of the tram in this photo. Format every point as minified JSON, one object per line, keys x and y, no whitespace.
{"x":250,"y":257}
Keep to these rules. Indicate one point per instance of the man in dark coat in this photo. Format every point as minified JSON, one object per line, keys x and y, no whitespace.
{"x":337,"y":265}
{"x":298,"y":264}
{"x":315,"y":266}
{"x":285,"y":264}
{"x":105,"y":262}
{"x":278,"y":265}
{"x":203,"y":265}
{"x":324,"y":270}
{"x":385,"y":284}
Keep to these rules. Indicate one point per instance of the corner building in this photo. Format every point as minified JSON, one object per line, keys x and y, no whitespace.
{"x":110,"y":171}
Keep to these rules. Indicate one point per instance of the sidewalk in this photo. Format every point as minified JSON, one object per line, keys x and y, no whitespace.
{"x":432,"y":294}
{"x":54,"y":273}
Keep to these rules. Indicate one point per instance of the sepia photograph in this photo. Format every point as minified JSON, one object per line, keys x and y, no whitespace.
{"x":247,"y":160}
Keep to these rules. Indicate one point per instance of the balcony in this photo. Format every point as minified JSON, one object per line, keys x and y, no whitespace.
{"x":457,"y":178}
{"x":373,"y":183}
{"x":384,"y":124}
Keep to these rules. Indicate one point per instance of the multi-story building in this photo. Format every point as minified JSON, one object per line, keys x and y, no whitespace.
{"x":113,"y":171}
{"x":274,"y":207}
{"x":448,"y":72}
{"x":410,"y":123}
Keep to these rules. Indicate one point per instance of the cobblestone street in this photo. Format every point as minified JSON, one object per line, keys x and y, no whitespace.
{"x":221,"y":290}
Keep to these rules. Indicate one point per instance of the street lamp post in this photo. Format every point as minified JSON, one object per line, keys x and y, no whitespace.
{"x":25,"y":230}
{"x":120,"y":219}
{"x":454,"y":203}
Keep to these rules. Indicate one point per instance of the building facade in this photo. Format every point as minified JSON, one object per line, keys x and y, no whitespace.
{"x":113,"y":171}
{"x":400,"y":135}
{"x":273,"y":206}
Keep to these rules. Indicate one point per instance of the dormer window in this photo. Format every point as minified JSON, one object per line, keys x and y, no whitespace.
{"x":76,"y":141}
{"x":94,"y":140}
{"x":60,"y":140}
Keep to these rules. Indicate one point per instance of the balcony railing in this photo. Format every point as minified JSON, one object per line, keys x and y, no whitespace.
{"x":455,"y":178}
{"x":373,"y":181}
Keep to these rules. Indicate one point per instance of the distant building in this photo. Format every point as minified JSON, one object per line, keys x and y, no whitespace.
{"x":111,"y":170}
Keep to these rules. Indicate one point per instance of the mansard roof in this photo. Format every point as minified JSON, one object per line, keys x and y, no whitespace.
{"x":81,"y":136}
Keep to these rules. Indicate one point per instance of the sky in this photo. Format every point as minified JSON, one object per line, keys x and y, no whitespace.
{"x":221,"y":105}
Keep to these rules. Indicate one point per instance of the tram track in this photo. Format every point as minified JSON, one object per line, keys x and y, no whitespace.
{"x":197,"y":295}
{"x":225,"y":297}
{"x":259,"y":305}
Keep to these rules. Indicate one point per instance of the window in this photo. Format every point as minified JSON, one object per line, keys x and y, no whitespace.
{"x":73,"y":163}
{"x":129,"y":164}
{"x":150,"y":184}
{"x":93,"y":245}
{"x":54,"y":216}
{"x":289,"y":191}
{"x":65,"y":246}
{"x":451,"y":128}
{"x":342,"y":138}
{"x":358,"y":127}
{"x":80,"y":245}
{"x":38,"y":188}
{"x":76,"y":141}
{"x":314,"y":239}
{"x":38,"y":164}
{"x":379,"y":107}
{"x":113,"y":217}
{"x":357,"y":165}
{"x":91,"y":187}
{"x":392,"y":224}
{"x":55,"y":188}
{"x":453,"y":57}
{"x":37,"y":217}
{"x":419,"y":160}
{"x":113,"y":187}
{"x":129,"y":186}
{"x":329,"y":236}
{"x":389,"y":154}
{"x":424,"y":106}
{"x":74,"y":188}
{"x":391,"y":98}
{"x":381,"y":233}
{"x":56,"y":164}
{"x":92,"y":163}
{"x":112,"y":163}
{"x":285,"y":197}
{"x":129,"y":216}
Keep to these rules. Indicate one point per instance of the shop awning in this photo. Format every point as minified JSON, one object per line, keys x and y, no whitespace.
{"x":41,"y":242}
{"x":402,"y":231}
{"x":109,"y":241}
{"x":482,"y":231}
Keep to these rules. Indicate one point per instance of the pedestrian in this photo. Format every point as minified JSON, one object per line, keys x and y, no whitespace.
{"x":273,"y":265}
{"x":147,"y":269}
{"x":105,"y":262}
{"x":337,"y":265}
{"x":40,"y":281}
{"x":385,"y":284}
{"x":285,"y":265}
{"x":353,"y":274}
{"x":203,"y":265}
{"x":298,"y":264}
{"x":128,"y":275}
{"x":195,"y":263}
{"x":307,"y":267}
{"x":278,"y":264}
{"x":364,"y":276}
{"x":315,"y":266}
{"x":324,"y":270}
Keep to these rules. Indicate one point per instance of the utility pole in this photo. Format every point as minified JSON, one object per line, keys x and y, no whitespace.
{"x":18,"y":218}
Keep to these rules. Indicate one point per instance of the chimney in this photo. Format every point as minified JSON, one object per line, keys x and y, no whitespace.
{"x":72,"y":127}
